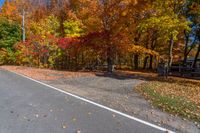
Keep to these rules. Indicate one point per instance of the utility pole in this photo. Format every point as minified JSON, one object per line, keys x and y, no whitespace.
{"x":23,"y":26}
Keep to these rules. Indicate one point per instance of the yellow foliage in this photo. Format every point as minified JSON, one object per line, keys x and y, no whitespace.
{"x":139,"y":49}
{"x":9,"y":10}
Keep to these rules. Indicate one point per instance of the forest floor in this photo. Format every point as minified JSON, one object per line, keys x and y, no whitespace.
{"x":141,"y":94}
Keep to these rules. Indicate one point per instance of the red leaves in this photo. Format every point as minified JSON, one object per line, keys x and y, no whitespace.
{"x":96,"y":41}
{"x":93,"y":37}
{"x":36,"y":45}
{"x":70,"y":42}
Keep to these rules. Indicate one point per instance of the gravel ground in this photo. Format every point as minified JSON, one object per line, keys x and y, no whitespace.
{"x":116,"y":92}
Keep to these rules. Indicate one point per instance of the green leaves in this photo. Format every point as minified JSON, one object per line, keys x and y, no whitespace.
{"x":10,"y":33}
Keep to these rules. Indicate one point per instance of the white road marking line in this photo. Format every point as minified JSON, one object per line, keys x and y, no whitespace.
{"x":99,"y":105}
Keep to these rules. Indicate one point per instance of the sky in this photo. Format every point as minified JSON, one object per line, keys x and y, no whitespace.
{"x":1,"y":2}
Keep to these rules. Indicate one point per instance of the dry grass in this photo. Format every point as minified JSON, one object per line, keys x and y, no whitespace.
{"x":175,"y":95}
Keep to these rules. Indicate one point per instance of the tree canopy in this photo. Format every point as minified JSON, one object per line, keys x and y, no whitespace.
{"x":80,"y":34}
{"x":10,"y":33}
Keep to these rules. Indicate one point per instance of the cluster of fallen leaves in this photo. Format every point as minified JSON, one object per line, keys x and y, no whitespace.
{"x":176,"y":95}
{"x":190,"y":91}
{"x":45,"y":74}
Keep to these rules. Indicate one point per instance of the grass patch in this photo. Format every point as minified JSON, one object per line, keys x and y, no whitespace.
{"x":174,"y":103}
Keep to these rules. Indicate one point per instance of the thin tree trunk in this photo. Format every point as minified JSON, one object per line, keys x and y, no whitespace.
{"x":145,"y":62}
{"x":69,"y":62}
{"x":186,"y":48}
{"x":153,"y":46}
{"x":120,"y":63}
{"x":76,"y":62}
{"x":136,"y":58}
{"x":38,"y":62}
{"x":171,"y":52}
{"x":110,"y":68}
{"x":196,"y":57}
{"x":109,"y":60}
{"x":151,"y":62}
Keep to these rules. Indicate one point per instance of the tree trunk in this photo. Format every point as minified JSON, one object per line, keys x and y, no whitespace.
{"x":196,"y":57}
{"x":82,"y":58}
{"x":151,"y":62}
{"x":136,"y":58}
{"x":69,"y":62}
{"x":119,"y":63}
{"x":186,"y":48}
{"x":38,"y":61}
{"x":145,"y":62}
{"x":132,"y":61}
{"x":171,"y":52}
{"x":153,"y":46}
{"x":109,"y":60}
{"x":110,"y":65}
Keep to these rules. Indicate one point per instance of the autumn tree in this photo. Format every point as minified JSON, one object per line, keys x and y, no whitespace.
{"x":8,"y":10}
{"x":133,"y":33}
{"x":191,"y":12}
{"x":108,"y":18}
{"x":167,"y":23}
{"x":47,"y":26}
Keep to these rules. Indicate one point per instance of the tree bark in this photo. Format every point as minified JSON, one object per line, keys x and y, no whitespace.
{"x":186,"y":48}
{"x":153,"y":46}
{"x":145,"y":62}
{"x":151,"y":62}
{"x":109,"y":60}
{"x":192,"y":45}
{"x":196,"y":57}
{"x":171,"y":52}
{"x":136,"y":59}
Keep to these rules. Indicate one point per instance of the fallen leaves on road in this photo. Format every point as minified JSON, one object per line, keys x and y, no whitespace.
{"x":36,"y":115}
{"x":89,"y":113}
{"x":45,"y":74}
{"x":78,"y":131}
{"x":74,"y":119}
{"x":64,"y":125}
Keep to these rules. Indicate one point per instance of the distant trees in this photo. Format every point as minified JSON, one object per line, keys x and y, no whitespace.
{"x":82,"y":34}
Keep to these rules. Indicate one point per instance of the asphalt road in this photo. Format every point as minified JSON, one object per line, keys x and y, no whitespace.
{"x":29,"y":107}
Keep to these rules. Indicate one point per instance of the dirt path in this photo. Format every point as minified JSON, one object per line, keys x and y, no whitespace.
{"x":114,"y":91}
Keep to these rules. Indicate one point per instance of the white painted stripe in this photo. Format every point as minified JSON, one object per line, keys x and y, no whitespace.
{"x":99,"y":105}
